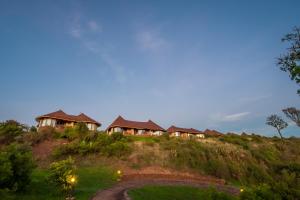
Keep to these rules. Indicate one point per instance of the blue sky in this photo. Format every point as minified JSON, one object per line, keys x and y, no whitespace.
{"x":200,"y":64}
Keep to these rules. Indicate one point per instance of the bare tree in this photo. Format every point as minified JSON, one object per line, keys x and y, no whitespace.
{"x":293,"y":114}
{"x":277,"y":122}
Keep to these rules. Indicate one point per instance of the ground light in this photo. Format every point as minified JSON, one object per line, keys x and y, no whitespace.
{"x":119,"y":175}
{"x":72,"y":180}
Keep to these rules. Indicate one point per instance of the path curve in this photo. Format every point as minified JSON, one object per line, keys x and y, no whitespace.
{"x":119,"y":191}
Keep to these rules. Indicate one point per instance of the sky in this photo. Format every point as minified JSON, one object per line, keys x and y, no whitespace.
{"x":199,"y":64}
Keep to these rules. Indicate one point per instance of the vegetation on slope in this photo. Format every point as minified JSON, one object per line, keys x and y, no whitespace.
{"x":262,"y":165}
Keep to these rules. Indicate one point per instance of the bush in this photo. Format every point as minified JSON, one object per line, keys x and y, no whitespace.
{"x":33,"y":138}
{"x":9,"y":130}
{"x":116,"y":136}
{"x":33,"y":129}
{"x":81,"y":128}
{"x":6,"y":194}
{"x":118,"y":149}
{"x":113,"y":145}
{"x":236,"y":139}
{"x":261,"y":192}
{"x":62,"y":175}
{"x":16,"y":166}
{"x":79,"y":131}
{"x":70,"y":133}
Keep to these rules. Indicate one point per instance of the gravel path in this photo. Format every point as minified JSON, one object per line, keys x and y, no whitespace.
{"x":119,"y":191}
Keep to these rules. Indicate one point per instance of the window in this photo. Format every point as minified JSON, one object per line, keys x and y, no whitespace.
{"x":157,"y":133}
{"x":177,"y":134}
{"x":117,"y":129}
{"x":89,"y":126}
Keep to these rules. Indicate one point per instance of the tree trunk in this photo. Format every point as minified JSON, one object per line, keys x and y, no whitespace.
{"x":279,"y":133}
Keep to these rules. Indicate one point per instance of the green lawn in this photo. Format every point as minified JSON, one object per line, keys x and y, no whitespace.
{"x":90,"y":179}
{"x":177,"y":193}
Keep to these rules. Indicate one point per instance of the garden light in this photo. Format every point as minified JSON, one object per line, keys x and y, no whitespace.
{"x":73,"y":180}
{"x":241,"y":190}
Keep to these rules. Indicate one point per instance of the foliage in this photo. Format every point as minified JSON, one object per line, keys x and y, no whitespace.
{"x":177,"y":192}
{"x":70,"y":133}
{"x":261,"y":192}
{"x":81,"y":127}
{"x":244,"y":160}
{"x":117,"y":149}
{"x":33,"y":129}
{"x":114,"y":145}
{"x":16,"y":165}
{"x":33,"y":138}
{"x":62,"y":175}
{"x":117,"y":136}
{"x":277,"y":122}
{"x":289,"y":62}
{"x":293,"y":114}
{"x":79,"y":131}
{"x":6,"y":194}
{"x":236,"y":139}
{"x":9,"y":130}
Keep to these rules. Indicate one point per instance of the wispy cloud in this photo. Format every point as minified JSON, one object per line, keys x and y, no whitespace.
{"x":81,"y":30}
{"x":94,"y":26}
{"x":116,"y":67}
{"x":235,"y":117}
{"x":151,"y":40}
{"x":75,"y":29}
{"x":229,"y":117}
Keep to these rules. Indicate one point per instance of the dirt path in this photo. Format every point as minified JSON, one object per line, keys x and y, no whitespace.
{"x":119,"y":191}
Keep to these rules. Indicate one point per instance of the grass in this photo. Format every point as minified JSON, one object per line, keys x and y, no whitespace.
{"x":176,"y":193}
{"x":151,"y":139}
{"x":90,"y":179}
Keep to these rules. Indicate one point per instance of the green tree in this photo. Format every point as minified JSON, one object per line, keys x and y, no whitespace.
{"x":293,"y":114}
{"x":290,"y":62}
{"x":277,"y":122}
{"x":10,"y":129}
{"x":16,"y":166}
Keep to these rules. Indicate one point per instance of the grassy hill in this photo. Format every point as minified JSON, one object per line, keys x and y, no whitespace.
{"x":263,"y":164}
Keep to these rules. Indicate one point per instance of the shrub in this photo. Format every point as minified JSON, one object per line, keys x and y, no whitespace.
{"x":33,"y":129}
{"x":70,"y":133}
{"x":33,"y":138}
{"x":114,"y":145}
{"x":16,"y":167}
{"x":118,"y":149}
{"x":10,"y":129}
{"x":79,"y":131}
{"x":62,"y":175}
{"x":116,"y":136}
{"x":92,"y":136}
{"x":261,"y":192}
{"x":81,"y":128}
{"x":236,"y":139}
{"x":6,"y":194}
